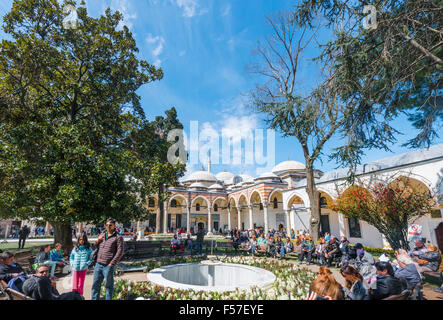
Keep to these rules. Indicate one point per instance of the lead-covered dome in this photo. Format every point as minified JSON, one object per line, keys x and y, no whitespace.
{"x":225,"y":176}
{"x":288,"y":166}
{"x":200,"y":176}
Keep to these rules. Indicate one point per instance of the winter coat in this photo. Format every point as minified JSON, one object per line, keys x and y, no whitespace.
{"x":56,"y":255}
{"x":39,"y":288}
{"x":434,"y":259}
{"x":344,"y":248}
{"x":307,"y":245}
{"x":332,"y":248}
{"x":6,"y":271}
{"x":110,"y":251}
{"x":386,"y":286}
{"x":365,"y":265}
{"x":410,"y":274}
{"x":80,"y":258}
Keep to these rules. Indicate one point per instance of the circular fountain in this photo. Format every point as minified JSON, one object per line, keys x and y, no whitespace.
{"x":211,"y":275}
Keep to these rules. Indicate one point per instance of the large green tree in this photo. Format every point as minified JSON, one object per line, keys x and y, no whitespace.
{"x":69,"y":108}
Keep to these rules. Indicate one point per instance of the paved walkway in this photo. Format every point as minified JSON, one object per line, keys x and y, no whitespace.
{"x":64,"y":284}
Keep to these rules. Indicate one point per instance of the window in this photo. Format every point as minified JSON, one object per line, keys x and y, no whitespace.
{"x":151,"y":203}
{"x":215,"y":207}
{"x":197,"y":207}
{"x":174,"y":203}
{"x":354,"y":228}
{"x":275,"y":203}
{"x":261,"y":206}
{"x":323,"y":202}
{"x":324,"y":224}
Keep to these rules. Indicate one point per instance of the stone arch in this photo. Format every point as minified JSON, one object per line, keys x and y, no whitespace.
{"x":295,"y":199}
{"x":276,"y":193}
{"x":243,"y":199}
{"x":203,"y":198}
{"x":411,"y":182}
{"x":182,"y":197}
{"x":221,"y":199}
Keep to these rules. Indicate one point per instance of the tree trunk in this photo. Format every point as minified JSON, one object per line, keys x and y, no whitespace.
{"x":62,"y":233}
{"x":314,"y":225}
{"x":397,"y":239}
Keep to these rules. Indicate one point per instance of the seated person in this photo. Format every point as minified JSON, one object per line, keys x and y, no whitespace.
{"x":429,"y":261}
{"x":189,"y":243}
{"x":253,"y":244}
{"x":418,"y":250}
{"x":176,"y":244}
{"x":332,"y":251}
{"x":10,"y":270}
{"x":307,"y":246}
{"x":271,"y":246}
{"x":408,"y":271}
{"x":262,"y":243}
{"x":365,"y":263}
{"x":386,"y":284}
{"x":279,"y":248}
{"x":355,"y":288}
{"x":56,"y":255}
{"x":319,"y":252}
{"x":289,"y":246}
{"x":43,"y":257}
{"x":40,"y":287}
{"x":325,"y":287}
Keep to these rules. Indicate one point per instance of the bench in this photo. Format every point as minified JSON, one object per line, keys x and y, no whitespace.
{"x":224,"y":246}
{"x":404,"y":295}
{"x":25,"y":259}
{"x":435,"y":277}
{"x":12,"y":294}
{"x":142,"y":249}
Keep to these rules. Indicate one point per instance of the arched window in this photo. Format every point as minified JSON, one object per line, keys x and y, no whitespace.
{"x":323,"y":202}
{"x":197,"y":207}
{"x":275,"y":203}
{"x":151,"y":203}
{"x":215,"y":207}
{"x":174,"y":203}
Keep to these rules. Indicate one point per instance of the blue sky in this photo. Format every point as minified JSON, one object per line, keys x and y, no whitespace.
{"x":203,"y":47}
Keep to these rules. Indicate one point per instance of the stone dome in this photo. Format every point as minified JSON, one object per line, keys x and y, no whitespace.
{"x":224,"y":176}
{"x":247,"y":178}
{"x":216,"y":186}
{"x":198,"y":185}
{"x":268,"y":175}
{"x":288,"y":166}
{"x":200,"y":176}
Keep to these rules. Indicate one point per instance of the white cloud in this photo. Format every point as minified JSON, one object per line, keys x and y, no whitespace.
{"x":157,"y":43}
{"x":182,"y":53}
{"x":190,"y":8}
{"x":227,"y":10}
{"x":124,"y":7}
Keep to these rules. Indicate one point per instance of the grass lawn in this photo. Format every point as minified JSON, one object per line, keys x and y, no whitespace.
{"x":34,"y":246}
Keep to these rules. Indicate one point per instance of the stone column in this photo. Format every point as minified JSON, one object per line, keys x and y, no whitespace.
{"x":292,"y":217}
{"x":209,"y":222}
{"x":288,"y":221}
{"x":188,"y":219}
{"x":265,"y":211}
{"x":229,"y":218}
{"x":341,"y":224}
{"x":165,"y":217}
{"x":251,"y":225}
{"x":157,"y":222}
{"x":140,"y":232}
{"x":239,"y":218}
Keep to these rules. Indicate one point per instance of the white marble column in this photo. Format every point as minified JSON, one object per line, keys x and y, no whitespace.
{"x":188,"y":219}
{"x":157,"y":222}
{"x":229,"y":218}
{"x":139,"y":231}
{"x":209,"y":222}
{"x":265,"y":211}
{"x":341,"y":224}
{"x":165,"y":218}
{"x":288,"y":222}
{"x":251,"y":225}
{"x":239,"y":218}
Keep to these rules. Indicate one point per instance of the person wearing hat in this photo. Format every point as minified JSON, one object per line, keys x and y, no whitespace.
{"x":365,"y":263}
{"x":110,"y":251}
{"x":418,"y":250}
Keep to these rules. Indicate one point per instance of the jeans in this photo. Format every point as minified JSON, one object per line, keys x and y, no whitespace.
{"x":253,"y":249}
{"x":282,"y":252}
{"x":199,"y":248}
{"x":308,"y":254}
{"x":102,"y":272}
{"x":53,"y":265}
{"x":190,"y":249}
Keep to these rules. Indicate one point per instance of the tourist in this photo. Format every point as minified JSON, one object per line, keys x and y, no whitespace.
{"x":189,"y":243}
{"x":43,"y":258}
{"x":429,"y":261}
{"x":418,"y":250}
{"x":289,"y":246}
{"x":40,"y":287}
{"x":270,"y":248}
{"x":319,"y":253}
{"x":326,"y":287}
{"x":262,"y":242}
{"x":407,"y":270}
{"x":176,"y":244}
{"x":386,"y":284}
{"x":332,"y":251}
{"x":253,"y":243}
{"x":307,"y":247}
{"x":56,"y":254}
{"x":279,"y":247}
{"x":327,"y":237}
{"x":293,"y":235}
{"x":110,"y":251}
{"x":365,"y":264}
{"x":22,"y":235}
{"x":200,"y":238}
{"x":11,"y":270}
{"x":354,"y":288}
{"x":80,"y":260}
{"x":344,"y":250}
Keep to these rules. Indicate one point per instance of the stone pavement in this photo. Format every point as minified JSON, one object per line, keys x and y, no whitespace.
{"x":64,"y":284}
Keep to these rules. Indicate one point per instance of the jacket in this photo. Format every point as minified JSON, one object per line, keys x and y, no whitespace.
{"x":410,"y":274}
{"x":80,"y":258}
{"x":39,"y":288}
{"x":6,"y":271}
{"x":434,"y":259}
{"x":332,"y":248}
{"x":320,"y":248}
{"x":200,"y":235}
{"x":307,"y":245}
{"x":344,"y":248}
{"x":110,"y":251}
{"x":56,"y":255}
{"x":386,"y":286}
{"x":357,"y":292}
{"x":365,"y":265}
{"x":42,"y":257}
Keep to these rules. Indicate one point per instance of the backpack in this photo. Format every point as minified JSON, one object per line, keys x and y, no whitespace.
{"x":17,"y":283}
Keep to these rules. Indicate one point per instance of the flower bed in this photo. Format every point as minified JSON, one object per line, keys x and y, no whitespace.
{"x":292,"y":283}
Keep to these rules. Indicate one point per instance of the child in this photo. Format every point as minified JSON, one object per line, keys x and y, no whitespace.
{"x":80,"y":260}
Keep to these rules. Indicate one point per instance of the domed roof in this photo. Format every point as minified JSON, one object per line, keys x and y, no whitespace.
{"x":216,"y":186}
{"x":200,"y":176}
{"x":289,"y":166}
{"x":198,"y":185}
{"x":246,"y":178}
{"x":266,"y":175}
{"x":224,"y":176}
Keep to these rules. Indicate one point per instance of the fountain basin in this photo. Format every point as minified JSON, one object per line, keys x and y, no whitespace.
{"x":219,"y":277}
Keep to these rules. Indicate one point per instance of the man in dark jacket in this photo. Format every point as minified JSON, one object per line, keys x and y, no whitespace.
{"x":386,"y":285}
{"x":199,"y":240}
{"x":110,"y":251}
{"x":9,"y":269}
{"x":344,"y":250}
{"x":22,"y":235}
{"x":307,"y":247}
{"x":332,"y":251}
{"x":407,"y":271}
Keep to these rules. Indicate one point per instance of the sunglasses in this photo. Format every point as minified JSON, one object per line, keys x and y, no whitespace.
{"x":42,"y":272}
{"x":109,"y":224}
